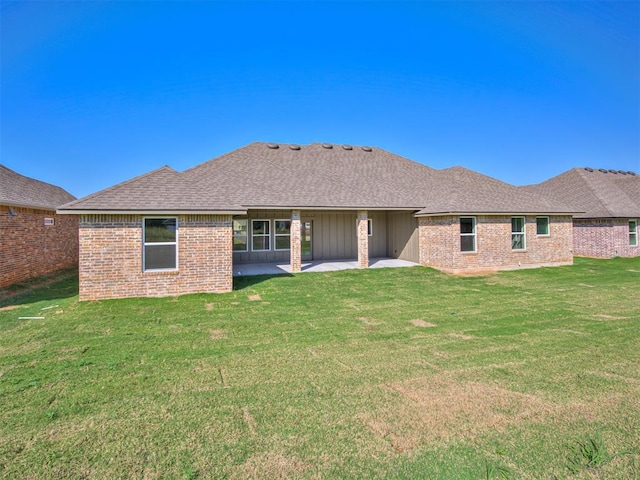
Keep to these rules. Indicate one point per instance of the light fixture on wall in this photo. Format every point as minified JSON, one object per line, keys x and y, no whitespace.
{"x":12,"y":212}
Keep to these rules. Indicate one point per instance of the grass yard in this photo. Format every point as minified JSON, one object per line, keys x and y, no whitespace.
{"x":390,"y":373}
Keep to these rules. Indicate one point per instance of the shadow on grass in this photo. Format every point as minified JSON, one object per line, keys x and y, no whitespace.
{"x":240,"y":283}
{"x":59,"y":285}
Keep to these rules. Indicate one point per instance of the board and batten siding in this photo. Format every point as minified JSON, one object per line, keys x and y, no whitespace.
{"x":402,"y":236}
{"x":333,"y":235}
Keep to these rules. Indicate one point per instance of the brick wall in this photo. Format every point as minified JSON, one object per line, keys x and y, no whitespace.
{"x":439,"y":241}
{"x":111,"y":258}
{"x":29,"y":249}
{"x":603,"y":238}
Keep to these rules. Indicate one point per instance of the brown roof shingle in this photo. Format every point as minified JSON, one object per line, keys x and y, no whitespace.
{"x":20,"y":191}
{"x":262,"y":175}
{"x":594,"y":193}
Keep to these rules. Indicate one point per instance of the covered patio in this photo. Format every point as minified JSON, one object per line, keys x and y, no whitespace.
{"x":248,"y":269}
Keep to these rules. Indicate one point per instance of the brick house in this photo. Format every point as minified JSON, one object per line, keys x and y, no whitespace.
{"x":34,"y":239}
{"x":609,"y":206}
{"x":170,"y":233}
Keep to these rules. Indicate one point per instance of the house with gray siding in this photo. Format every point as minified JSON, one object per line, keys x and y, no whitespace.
{"x":608,"y":202}
{"x":170,"y":233}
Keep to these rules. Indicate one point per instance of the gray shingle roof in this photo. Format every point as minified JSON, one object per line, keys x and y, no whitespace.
{"x":262,"y":175}
{"x":20,"y":191}
{"x":595,"y":193}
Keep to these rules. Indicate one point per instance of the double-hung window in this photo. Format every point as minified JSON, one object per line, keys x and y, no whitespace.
{"x":518,"y":233}
{"x":282,"y":234}
{"x":240,"y":234}
{"x":633,"y":233}
{"x":260,"y":235}
{"x":542,"y":226}
{"x":467,"y":234}
{"x":160,"y":244}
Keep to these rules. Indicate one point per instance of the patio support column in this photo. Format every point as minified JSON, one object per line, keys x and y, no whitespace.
{"x":363,"y":239}
{"x":296,"y":242}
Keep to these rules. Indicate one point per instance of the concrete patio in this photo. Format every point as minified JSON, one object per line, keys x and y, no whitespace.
{"x":247,"y":269}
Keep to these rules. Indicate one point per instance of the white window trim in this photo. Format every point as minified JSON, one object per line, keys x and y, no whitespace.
{"x":474,"y":234}
{"x":523,"y":233}
{"x":548,"y":228}
{"x":144,"y":245}
{"x":246,"y":248}
{"x":634,"y":232}
{"x":276,"y":235}
{"x":268,"y":234}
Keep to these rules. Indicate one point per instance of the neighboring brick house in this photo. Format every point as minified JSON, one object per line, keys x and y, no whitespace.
{"x":609,"y":202}
{"x":34,"y":239}
{"x":170,"y":233}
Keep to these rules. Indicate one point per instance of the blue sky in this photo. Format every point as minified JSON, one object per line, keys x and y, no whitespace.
{"x":94,"y":93}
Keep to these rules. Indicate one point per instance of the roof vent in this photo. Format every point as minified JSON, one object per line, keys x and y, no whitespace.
{"x":367,"y":149}
{"x":602,"y":170}
{"x":327,"y":145}
{"x":588,"y":169}
{"x":622,"y":172}
{"x":273,"y":146}
{"x":631,"y":173}
{"x":612,"y":170}
{"x":294,"y":147}
{"x":347,"y":147}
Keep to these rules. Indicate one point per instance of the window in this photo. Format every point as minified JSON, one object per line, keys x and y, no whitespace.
{"x":260,"y":235}
{"x":240,"y":235}
{"x":282,"y":234}
{"x":467,"y":234}
{"x":542,"y":226}
{"x":160,"y":241}
{"x":633,"y":233}
{"x":517,"y":233}
{"x":369,"y":227}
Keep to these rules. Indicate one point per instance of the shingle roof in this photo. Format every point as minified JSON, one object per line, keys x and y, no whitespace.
{"x":595,"y":193}
{"x":20,"y":191}
{"x":471,"y":192}
{"x":262,"y":175}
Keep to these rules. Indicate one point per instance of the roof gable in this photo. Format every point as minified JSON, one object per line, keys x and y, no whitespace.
{"x":20,"y":191}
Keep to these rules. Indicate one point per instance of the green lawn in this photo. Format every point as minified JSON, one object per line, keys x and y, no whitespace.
{"x":394,"y":373}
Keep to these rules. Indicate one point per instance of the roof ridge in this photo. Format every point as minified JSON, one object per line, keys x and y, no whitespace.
{"x":117,"y":186}
{"x":224,"y":155}
{"x":596,"y":192}
{"x":33,"y":179}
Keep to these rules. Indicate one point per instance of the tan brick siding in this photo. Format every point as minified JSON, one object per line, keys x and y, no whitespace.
{"x":439,"y":241}
{"x":111,"y":258}
{"x":29,"y":249}
{"x":603,"y":238}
